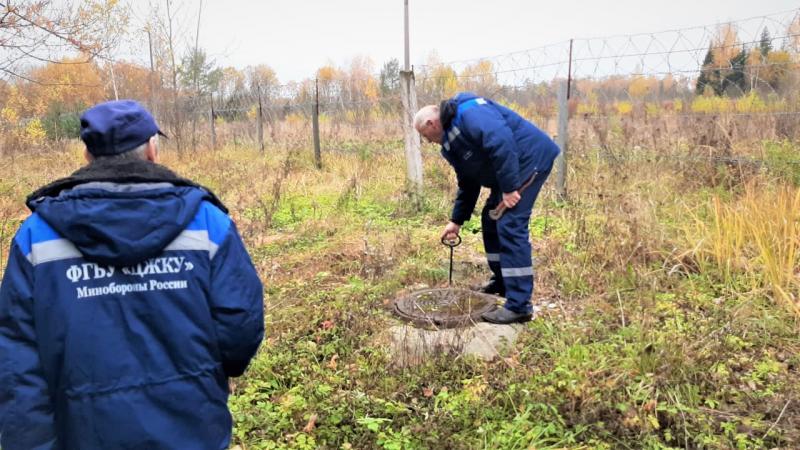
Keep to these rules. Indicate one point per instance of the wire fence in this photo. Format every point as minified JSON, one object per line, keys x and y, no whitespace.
{"x":702,"y":93}
{"x":282,"y":115}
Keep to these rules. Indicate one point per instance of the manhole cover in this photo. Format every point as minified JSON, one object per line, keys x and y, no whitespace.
{"x":444,"y":307}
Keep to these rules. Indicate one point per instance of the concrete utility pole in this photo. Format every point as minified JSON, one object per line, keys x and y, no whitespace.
{"x":408,"y":94}
{"x":564,"y":90}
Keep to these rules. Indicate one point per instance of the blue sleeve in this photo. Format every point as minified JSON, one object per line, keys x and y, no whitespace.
{"x":486,"y":126}
{"x":26,"y":408}
{"x":237,"y":303}
{"x":466,"y":198}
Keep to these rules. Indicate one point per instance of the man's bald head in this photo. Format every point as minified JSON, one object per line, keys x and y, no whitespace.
{"x":428,"y":124}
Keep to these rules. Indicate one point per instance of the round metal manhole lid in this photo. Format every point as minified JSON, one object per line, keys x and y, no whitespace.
{"x":444,"y":307}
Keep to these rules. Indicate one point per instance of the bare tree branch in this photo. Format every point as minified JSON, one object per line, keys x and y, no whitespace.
{"x":45,"y":83}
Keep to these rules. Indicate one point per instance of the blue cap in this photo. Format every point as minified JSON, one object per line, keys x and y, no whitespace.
{"x":116,"y":127}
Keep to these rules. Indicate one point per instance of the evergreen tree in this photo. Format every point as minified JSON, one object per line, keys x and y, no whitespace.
{"x":736,"y":77}
{"x":765,"y":46}
{"x":390,"y":77}
{"x":706,"y":73}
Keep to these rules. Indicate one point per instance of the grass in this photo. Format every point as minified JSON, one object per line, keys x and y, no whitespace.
{"x":755,"y":240}
{"x":676,"y":286}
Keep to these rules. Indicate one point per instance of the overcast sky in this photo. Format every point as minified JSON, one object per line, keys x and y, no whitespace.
{"x":296,"y":37}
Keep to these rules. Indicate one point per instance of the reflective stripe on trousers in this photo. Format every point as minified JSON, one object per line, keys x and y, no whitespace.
{"x":509,"y":239}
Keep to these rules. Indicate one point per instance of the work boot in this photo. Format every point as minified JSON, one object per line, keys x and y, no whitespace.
{"x":493,"y":286}
{"x":504,"y":316}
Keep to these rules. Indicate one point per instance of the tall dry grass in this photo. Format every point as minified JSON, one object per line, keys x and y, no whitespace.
{"x":753,"y":239}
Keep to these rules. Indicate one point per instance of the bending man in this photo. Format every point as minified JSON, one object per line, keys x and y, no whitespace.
{"x":490,"y":145}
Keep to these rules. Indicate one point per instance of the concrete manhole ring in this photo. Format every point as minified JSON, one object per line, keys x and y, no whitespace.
{"x":444,"y":307}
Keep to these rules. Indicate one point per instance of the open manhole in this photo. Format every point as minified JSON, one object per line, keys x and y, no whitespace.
{"x":444,"y":307}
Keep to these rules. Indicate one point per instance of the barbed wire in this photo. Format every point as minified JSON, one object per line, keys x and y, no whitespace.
{"x":679,"y":52}
{"x":708,"y":32}
{"x":628,"y":77}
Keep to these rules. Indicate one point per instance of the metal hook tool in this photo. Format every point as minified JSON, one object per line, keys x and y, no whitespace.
{"x":452,"y":243}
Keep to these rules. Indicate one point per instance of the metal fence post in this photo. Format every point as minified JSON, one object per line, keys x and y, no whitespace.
{"x":260,"y":119}
{"x":315,"y":125}
{"x":213,"y":125}
{"x":562,"y":140}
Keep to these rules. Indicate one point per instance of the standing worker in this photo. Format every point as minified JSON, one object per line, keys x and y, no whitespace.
{"x":490,"y":145}
{"x":127,"y":302}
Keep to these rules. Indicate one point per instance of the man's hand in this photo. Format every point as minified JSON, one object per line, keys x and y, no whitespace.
{"x":451,"y":231}
{"x":511,"y":199}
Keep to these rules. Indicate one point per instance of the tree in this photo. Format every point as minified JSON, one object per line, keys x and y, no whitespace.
{"x":765,"y":45}
{"x":793,"y":41}
{"x":113,"y":18}
{"x":231,"y":83}
{"x":201,"y":77}
{"x":444,"y":81}
{"x":361,"y":89}
{"x":330,"y":81}
{"x":390,"y":78}
{"x":163,"y":31}
{"x":726,"y":45}
{"x":133,"y":80}
{"x":668,"y":87}
{"x":199,"y":74}
{"x":73,"y":86}
{"x":778,"y":70}
{"x":735,"y":81}
{"x":724,"y":67}
{"x":438,"y":80}
{"x":708,"y":80}
{"x":642,"y":87}
{"x":480,"y":78}
{"x":43,"y":31}
{"x":261,"y":78}
{"x":360,"y":81}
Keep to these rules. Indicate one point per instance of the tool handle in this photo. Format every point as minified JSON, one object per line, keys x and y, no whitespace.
{"x":498,"y":211}
{"x":452,"y":242}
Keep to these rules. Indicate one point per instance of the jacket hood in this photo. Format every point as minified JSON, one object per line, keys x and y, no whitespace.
{"x":449,"y":108}
{"x":120,"y":213}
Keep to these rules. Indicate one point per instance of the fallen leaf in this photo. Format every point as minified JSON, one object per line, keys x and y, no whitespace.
{"x":427,"y":392}
{"x":332,"y":363}
{"x":312,"y":422}
{"x":512,"y":362}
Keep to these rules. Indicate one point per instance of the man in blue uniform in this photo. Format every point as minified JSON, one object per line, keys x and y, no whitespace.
{"x":489,"y":145}
{"x":127,"y":302}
